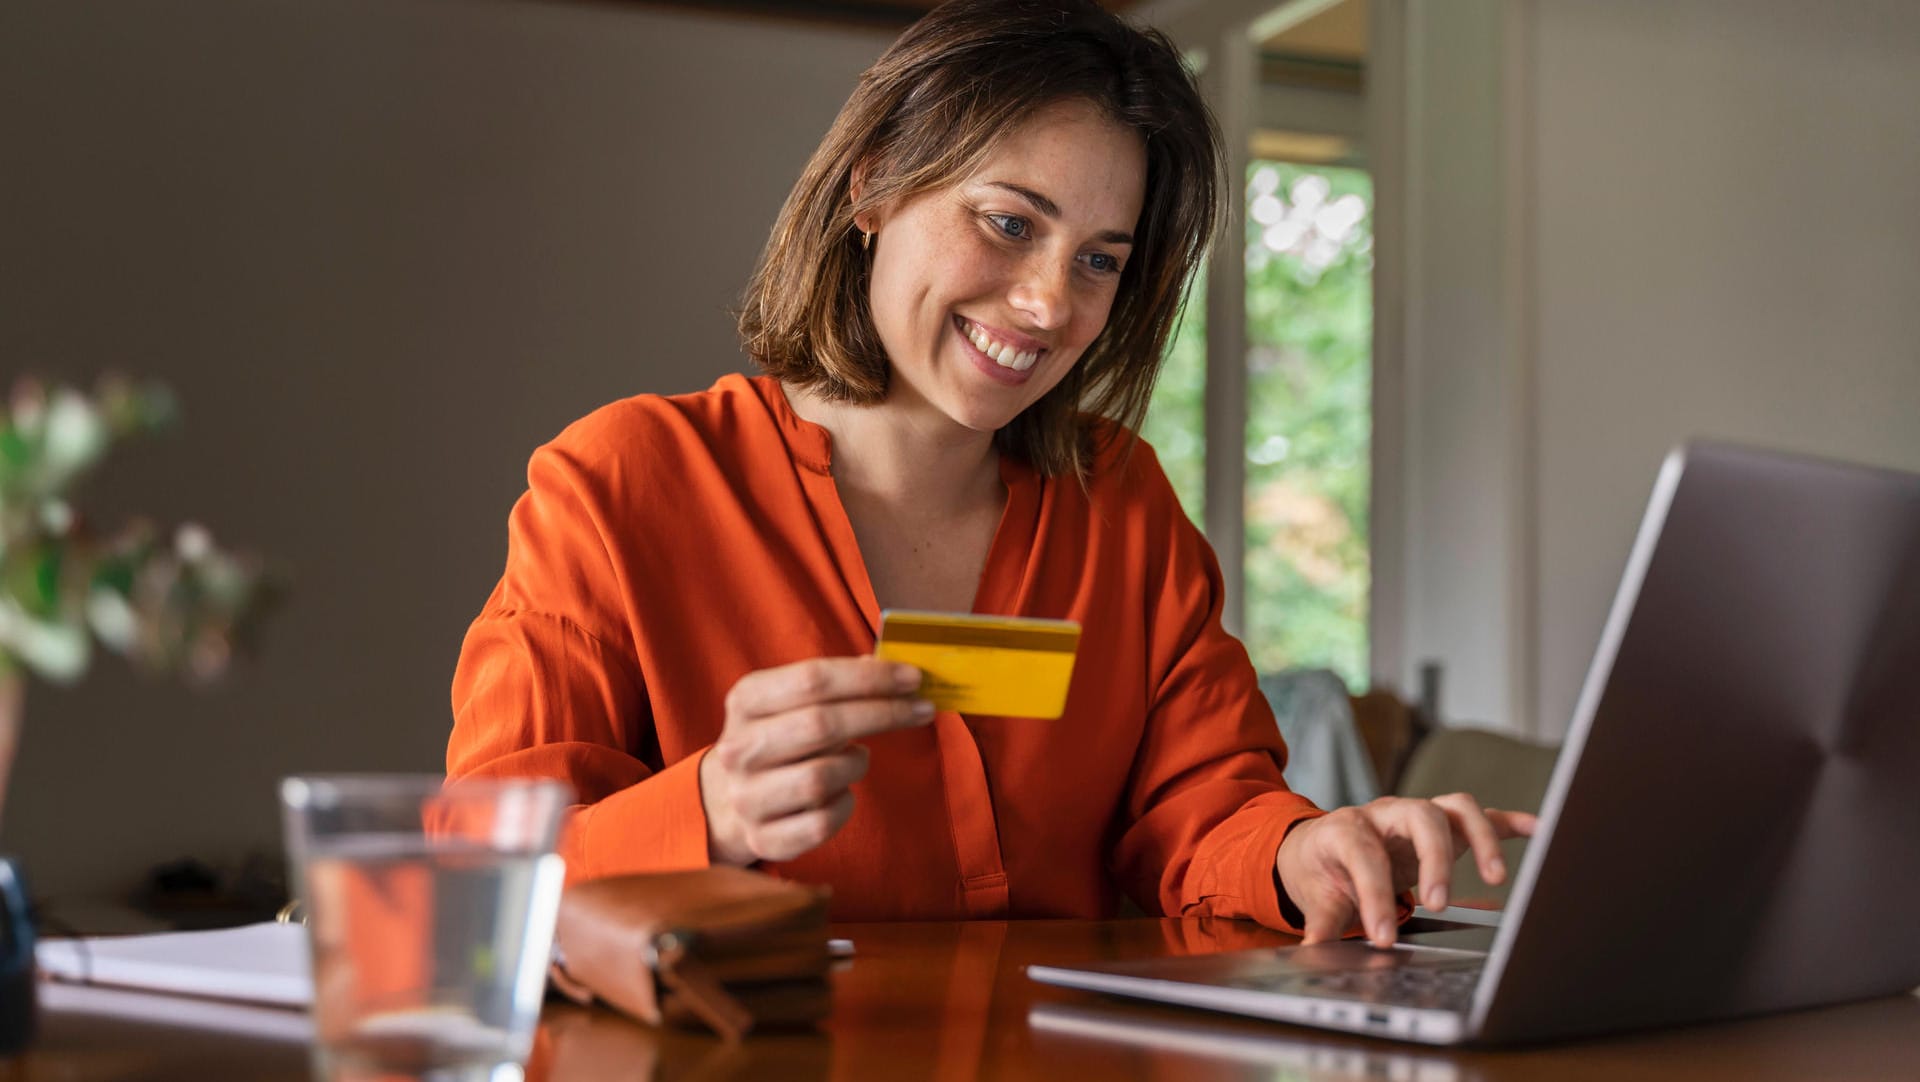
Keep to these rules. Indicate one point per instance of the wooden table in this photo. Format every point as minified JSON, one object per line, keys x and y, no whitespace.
{"x":950,"y":1001}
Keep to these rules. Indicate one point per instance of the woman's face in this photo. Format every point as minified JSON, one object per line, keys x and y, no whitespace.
{"x":986,"y":293}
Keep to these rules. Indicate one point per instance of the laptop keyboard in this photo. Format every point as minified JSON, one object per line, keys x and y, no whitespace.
{"x":1441,"y":985}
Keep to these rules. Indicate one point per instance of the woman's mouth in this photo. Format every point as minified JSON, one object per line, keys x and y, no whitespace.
{"x":1008,"y":361}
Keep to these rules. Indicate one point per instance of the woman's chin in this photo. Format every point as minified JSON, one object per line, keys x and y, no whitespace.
{"x":975,"y":404}
{"x":981,"y":415}
{"x":980,"y":424}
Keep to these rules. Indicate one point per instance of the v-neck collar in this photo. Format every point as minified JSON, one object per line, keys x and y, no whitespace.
{"x":1005,"y":579}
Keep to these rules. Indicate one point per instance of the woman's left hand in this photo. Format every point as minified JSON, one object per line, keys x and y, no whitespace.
{"x":1359,"y":859}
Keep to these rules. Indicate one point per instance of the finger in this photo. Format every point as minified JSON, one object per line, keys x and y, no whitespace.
{"x":813,"y":730}
{"x":1513,"y":824}
{"x":785,"y":839}
{"x":1328,"y":913}
{"x":810,"y":783}
{"x":1365,"y":859}
{"x":1431,"y":832}
{"x":818,"y":680}
{"x":1470,"y":822}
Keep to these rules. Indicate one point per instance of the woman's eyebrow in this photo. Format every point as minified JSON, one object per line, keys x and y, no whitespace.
{"x":1049,"y":209}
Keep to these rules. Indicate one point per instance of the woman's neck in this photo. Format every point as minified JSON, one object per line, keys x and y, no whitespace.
{"x":912,"y":459}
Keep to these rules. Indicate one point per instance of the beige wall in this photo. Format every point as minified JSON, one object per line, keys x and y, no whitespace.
{"x":382,"y":249}
{"x":1727,"y":245}
{"x":1704,"y":222}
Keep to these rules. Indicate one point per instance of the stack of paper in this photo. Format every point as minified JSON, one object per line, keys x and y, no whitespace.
{"x":184,"y":1012}
{"x":258,"y":963}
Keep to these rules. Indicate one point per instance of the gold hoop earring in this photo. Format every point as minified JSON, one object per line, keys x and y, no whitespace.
{"x":866,"y":240}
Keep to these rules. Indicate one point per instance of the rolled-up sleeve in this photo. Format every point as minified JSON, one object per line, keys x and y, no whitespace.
{"x":549,"y":685}
{"x":1206,"y":803}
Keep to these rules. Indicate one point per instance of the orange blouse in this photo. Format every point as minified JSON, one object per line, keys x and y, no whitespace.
{"x":668,"y":546}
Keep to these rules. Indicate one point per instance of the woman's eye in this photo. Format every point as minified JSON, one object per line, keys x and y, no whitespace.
{"x":1012,"y":225}
{"x":1104,"y":263}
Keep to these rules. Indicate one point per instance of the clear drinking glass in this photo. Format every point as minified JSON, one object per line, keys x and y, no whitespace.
{"x":430,"y":907}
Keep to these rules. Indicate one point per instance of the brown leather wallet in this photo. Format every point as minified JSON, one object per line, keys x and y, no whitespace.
{"x":727,"y":947}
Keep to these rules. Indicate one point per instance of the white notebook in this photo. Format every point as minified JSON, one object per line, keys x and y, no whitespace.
{"x":186,"y":1012}
{"x":256,"y":963}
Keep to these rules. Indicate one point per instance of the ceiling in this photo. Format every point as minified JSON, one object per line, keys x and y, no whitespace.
{"x":1338,"y":33}
{"x":921,"y":6}
{"x":880,"y":13}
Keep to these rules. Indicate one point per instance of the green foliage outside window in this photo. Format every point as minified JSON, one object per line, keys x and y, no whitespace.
{"x":1177,"y":419}
{"x":1309,"y":251}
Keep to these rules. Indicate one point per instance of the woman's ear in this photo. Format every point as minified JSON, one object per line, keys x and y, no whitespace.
{"x":857,"y":184}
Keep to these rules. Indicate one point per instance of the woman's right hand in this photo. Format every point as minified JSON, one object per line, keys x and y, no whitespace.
{"x":778,"y":781}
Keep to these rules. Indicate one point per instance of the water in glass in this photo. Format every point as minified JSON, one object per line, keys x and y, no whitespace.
{"x":428,"y":956}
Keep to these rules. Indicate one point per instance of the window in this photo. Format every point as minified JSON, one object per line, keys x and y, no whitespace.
{"x":1309,"y":310}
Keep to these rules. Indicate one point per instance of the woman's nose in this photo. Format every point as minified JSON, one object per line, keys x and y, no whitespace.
{"x":1043,"y":293}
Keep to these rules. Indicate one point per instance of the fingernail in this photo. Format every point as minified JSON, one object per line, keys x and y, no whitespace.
{"x":1497,"y":869}
{"x":922,"y":709}
{"x":1437,"y":899}
{"x":906,"y":677}
{"x":1383,"y":933}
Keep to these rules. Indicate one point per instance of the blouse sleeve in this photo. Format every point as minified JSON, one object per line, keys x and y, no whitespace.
{"x":1206,"y":804}
{"x":548,"y":683}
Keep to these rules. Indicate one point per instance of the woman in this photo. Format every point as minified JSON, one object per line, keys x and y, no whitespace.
{"x":982,"y":261}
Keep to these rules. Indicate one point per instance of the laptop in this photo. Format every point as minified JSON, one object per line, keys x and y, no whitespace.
{"x":1733,"y":825}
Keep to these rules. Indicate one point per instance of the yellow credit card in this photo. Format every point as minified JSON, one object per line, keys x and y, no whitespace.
{"x":1008,"y":666}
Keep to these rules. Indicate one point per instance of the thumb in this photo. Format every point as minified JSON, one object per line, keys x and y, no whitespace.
{"x":1327,"y":916}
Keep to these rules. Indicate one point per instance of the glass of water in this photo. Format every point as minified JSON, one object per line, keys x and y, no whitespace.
{"x":430,"y":907}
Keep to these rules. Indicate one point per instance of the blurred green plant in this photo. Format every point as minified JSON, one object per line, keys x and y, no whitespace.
{"x":1309,"y":252}
{"x":174,"y":604}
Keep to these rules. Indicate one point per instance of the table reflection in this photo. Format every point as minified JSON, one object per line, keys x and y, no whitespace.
{"x":1063,"y":1029}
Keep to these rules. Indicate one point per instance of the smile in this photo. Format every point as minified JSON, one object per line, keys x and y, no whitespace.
{"x":1004,"y":354}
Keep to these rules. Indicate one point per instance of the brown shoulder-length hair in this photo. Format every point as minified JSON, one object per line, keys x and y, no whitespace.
{"x":924,"y":117}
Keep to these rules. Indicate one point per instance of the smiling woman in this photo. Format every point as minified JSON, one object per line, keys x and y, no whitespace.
{"x":960,"y":313}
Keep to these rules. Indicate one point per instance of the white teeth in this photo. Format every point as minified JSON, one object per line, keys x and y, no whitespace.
{"x":1003,"y":355}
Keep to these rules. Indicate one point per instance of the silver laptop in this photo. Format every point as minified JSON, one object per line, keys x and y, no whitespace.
{"x":1733,"y":826}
